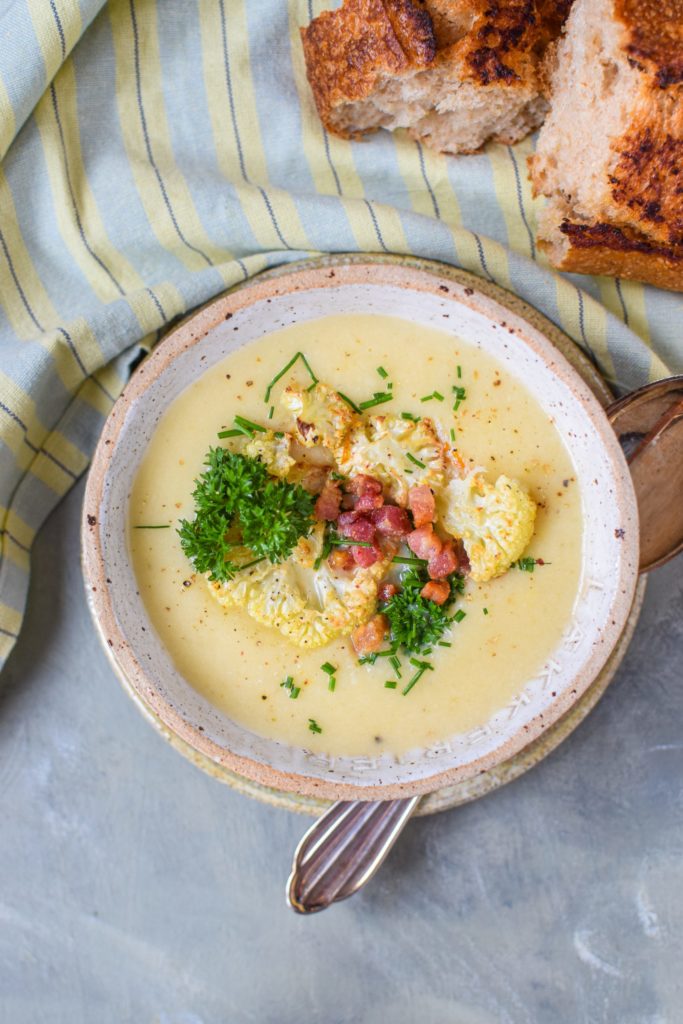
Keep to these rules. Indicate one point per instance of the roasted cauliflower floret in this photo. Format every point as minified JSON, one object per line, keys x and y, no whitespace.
{"x":494,"y":521}
{"x":274,"y":596}
{"x":322,"y":417}
{"x":386,"y":446}
{"x":272,"y":451}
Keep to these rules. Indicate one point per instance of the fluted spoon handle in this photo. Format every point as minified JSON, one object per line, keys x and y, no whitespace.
{"x":343,"y":849}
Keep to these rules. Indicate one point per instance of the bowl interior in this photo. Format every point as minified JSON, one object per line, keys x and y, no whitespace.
{"x":609,"y":555}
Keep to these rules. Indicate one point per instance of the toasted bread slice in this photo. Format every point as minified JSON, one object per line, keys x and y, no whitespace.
{"x":610,"y":154}
{"x":455,"y":73}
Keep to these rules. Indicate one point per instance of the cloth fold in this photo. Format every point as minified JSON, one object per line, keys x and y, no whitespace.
{"x":155,"y":154}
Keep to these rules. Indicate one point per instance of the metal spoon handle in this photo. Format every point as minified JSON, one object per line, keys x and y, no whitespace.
{"x":342,"y":850}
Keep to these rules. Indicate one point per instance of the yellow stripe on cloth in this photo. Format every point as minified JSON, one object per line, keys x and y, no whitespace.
{"x":162,"y":189}
{"x":8,"y":125}
{"x":271,"y":212}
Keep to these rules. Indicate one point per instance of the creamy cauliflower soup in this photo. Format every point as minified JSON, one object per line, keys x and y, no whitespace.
{"x":369,"y":552}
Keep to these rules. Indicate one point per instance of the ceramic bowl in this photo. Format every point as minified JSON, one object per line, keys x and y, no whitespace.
{"x":425,"y":297}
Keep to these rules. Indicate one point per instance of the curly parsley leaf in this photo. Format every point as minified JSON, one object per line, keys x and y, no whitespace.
{"x":239,"y":505}
{"x":416,"y":623}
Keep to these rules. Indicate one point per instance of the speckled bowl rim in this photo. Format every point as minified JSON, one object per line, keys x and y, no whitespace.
{"x":429,"y":278}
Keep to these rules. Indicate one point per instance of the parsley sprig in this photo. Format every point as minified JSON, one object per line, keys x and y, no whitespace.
{"x":239,"y":505}
{"x":416,"y":623}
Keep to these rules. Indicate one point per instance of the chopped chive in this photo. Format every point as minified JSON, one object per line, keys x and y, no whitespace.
{"x":382,"y":372}
{"x":422,"y":667}
{"x":486,"y":611}
{"x":452,"y":434}
{"x":395,"y":664}
{"x":390,"y":684}
{"x":279,"y":433}
{"x":526,"y":564}
{"x":155,"y":526}
{"x":379,"y":399}
{"x":248,"y":565}
{"x":438,"y":396}
{"x":313,"y":725}
{"x":240,"y":421}
{"x":444,"y":643}
{"x":427,"y":398}
{"x":409,"y":416}
{"x":459,"y":615}
{"x":407,"y":560}
{"x":288,"y":683}
{"x":283,"y":371}
{"x":459,"y":368}
{"x":390,"y":386}
{"x":460,"y":396}
{"x":331,"y":684}
{"x":368,"y":659}
{"x":411,"y":471}
{"x":415,"y":461}
{"x":347,"y":542}
{"x":294,"y":692}
{"x":349,"y":402}
{"x":329,"y":669}
{"x":272,"y":410}
{"x":229,"y":433}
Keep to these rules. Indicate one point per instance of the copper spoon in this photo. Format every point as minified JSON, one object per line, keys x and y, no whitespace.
{"x":344,"y":848}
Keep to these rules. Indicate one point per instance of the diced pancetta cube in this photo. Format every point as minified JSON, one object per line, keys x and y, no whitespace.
{"x":369,"y":638}
{"x":437,"y":591}
{"x":391,"y":521}
{"x":329,"y":500}
{"x":421,"y":504}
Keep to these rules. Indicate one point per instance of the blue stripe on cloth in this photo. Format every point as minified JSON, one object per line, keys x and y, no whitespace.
{"x":148,"y":143}
{"x":193,"y":142}
{"x":236,"y":128}
{"x":72,"y":195}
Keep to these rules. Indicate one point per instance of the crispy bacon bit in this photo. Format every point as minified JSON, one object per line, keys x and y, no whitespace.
{"x":463,"y":559}
{"x":366,"y":556}
{"x":442,"y":557}
{"x":444,"y":563}
{"x":370,"y":637}
{"x":437,"y":591}
{"x":367,"y":492}
{"x":356,"y":526}
{"x":391,"y":521}
{"x":341,"y":560}
{"x":386,"y":591}
{"x":424,"y":543}
{"x":368,"y":502}
{"x":327,"y":505}
{"x":421,"y":504}
{"x":364,"y":484}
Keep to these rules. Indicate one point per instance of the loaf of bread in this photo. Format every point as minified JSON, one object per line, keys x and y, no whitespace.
{"x":455,"y":73}
{"x":610,"y":154}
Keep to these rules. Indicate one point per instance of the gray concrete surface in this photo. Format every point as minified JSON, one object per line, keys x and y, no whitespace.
{"x":135,"y":889}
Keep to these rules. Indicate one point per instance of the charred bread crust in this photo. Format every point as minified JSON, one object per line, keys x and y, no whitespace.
{"x":654,"y":39}
{"x":499,"y":47}
{"x":647,"y":181}
{"x":601,"y":248}
{"x":347,"y":50}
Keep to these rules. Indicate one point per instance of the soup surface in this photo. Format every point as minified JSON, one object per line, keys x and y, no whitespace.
{"x":511,"y":624}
